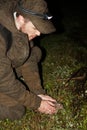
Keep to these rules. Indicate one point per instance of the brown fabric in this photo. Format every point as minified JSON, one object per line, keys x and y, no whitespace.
{"x":19,"y":51}
{"x":12,"y":113}
{"x":9,"y":85}
{"x":38,"y":6}
{"x":7,"y":100}
{"x":13,"y":90}
{"x":6,"y":15}
{"x":10,"y":108}
{"x":30,"y":72}
{"x":7,"y":20}
{"x":30,"y":100}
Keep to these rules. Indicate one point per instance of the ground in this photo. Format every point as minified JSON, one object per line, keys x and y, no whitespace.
{"x":63,"y":58}
{"x":65,"y":53}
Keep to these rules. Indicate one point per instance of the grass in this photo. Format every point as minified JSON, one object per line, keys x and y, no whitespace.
{"x":65,"y":54}
{"x":63,"y":57}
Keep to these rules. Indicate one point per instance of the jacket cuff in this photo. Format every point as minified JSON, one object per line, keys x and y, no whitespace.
{"x":35,"y":104}
{"x":39,"y":91}
{"x":30,"y":100}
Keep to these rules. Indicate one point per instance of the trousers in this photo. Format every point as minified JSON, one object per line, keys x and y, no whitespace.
{"x":10,"y":108}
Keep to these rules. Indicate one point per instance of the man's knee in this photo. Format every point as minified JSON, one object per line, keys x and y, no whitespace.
{"x":18,"y":112}
{"x":12,"y":113}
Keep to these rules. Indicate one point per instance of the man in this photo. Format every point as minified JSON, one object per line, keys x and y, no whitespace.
{"x":20,"y":22}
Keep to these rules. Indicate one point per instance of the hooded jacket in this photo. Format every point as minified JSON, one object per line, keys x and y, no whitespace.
{"x":19,"y":56}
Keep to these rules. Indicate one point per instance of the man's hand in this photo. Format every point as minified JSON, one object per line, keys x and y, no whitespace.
{"x":46,"y":97}
{"x":49,"y":105}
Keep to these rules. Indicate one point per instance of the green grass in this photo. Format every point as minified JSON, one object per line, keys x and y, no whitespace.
{"x":63,"y":57}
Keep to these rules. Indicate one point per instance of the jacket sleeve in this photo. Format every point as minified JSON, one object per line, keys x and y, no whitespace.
{"x":9,"y":85}
{"x":30,"y":71}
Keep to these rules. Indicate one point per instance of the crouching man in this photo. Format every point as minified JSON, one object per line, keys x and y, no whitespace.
{"x":20,"y":22}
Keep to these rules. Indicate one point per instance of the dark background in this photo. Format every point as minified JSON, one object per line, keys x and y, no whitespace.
{"x":62,"y":9}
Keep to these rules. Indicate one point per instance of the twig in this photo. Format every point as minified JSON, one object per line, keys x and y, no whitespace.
{"x":74,"y":78}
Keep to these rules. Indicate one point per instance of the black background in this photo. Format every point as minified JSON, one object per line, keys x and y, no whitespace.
{"x":66,"y":8}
